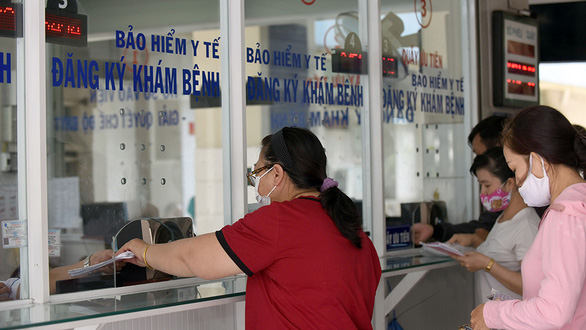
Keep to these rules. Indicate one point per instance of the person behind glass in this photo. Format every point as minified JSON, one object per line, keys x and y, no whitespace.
{"x":10,"y":289}
{"x":485,"y":135}
{"x":500,"y":255}
{"x":547,"y":155}
{"x":310,"y":264}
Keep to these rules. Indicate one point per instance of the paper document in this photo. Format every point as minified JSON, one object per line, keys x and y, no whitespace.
{"x":441,"y":247}
{"x":86,"y":270}
{"x":497,"y":295}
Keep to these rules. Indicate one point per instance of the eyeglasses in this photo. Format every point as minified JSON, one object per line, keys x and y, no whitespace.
{"x":255,"y":172}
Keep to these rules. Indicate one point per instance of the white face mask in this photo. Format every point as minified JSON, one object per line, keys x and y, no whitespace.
{"x":535,"y":191}
{"x":262,"y":200}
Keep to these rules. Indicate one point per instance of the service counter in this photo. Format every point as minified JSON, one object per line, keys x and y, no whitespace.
{"x":405,"y":272}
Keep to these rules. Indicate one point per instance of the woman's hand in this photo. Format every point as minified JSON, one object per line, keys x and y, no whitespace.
{"x":4,"y":292}
{"x":477,"y":318}
{"x":421,"y":232}
{"x":472,"y":261}
{"x":137,"y":246}
{"x":105,"y":255}
{"x":462,"y":239}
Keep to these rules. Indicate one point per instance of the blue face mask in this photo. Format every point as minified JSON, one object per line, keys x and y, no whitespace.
{"x":262,"y":200}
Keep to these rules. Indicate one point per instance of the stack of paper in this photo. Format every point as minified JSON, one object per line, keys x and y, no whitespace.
{"x":441,"y":247}
{"x":86,"y":270}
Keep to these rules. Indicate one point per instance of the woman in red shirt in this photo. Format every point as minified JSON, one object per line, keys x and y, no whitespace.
{"x":310,"y":264}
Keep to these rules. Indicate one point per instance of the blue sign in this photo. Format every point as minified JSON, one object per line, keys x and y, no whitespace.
{"x":398,"y":237}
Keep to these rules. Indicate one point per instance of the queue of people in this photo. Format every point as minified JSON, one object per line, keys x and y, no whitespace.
{"x":541,"y":268}
{"x":308,"y":229}
{"x":548,"y":156}
{"x":499,"y":255}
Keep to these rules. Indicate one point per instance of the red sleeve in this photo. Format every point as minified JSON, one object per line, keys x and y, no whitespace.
{"x":251,"y":242}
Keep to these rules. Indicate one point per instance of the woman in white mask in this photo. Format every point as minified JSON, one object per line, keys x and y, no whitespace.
{"x":497,"y":261}
{"x":548,"y":157}
{"x":310,"y":264}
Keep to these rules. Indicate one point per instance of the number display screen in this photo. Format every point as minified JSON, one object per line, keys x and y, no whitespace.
{"x":520,"y":48}
{"x":348,"y":62}
{"x":390,"y":67}
{"x":520,"y":87}
{"x":11,"y":20}
{"x":65,"y":28}
{"x":521,"y":68}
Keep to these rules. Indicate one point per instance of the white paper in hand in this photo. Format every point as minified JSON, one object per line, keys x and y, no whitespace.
{"x":86,"y":270}
{"x":443,"y":249}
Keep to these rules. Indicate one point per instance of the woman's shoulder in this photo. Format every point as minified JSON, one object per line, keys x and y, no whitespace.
{"x":529,"y":214}
{"x":571,"y":201}
{"x":575,"y":192}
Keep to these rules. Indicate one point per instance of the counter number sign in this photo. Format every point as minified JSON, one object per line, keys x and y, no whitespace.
{"x":351,"y":59}
{"x":423,"y":12}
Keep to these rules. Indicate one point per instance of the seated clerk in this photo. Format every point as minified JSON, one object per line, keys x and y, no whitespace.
{"x":10,"y":289}
{"x":500,"y":255}
{"x":485,"y":135}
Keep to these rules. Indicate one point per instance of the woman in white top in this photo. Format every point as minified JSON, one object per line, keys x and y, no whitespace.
{"x":497,"y":260}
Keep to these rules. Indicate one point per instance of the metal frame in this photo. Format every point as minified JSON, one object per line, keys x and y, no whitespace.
{"x":233,"y":108}
{"x":373,"y":133}
{"x":36,"y":145}
{"x":94,"y":323}
{"x":470,"y":64}
{"x":385,"y":303}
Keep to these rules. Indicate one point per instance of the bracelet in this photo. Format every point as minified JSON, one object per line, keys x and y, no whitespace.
{"x":144,"y":257}
{"x":489,"y":266}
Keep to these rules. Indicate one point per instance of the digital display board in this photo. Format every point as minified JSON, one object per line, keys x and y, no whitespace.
{"x":65,"y":28}
{"x":521,"y":68}
{"x":390,"y":67}
{"x":61,"y":26}
{"x":348,"y":62}
{"x":515,"y":55}
{"x":11,"y":20}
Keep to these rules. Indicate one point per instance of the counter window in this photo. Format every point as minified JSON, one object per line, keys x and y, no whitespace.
{"x":13,"y":218}
{"x":307,"y":68}
{"x":133,"y":131}
{"x":424,"y":135}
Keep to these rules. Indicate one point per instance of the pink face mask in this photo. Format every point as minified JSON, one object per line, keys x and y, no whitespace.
{"x":497,"y":201}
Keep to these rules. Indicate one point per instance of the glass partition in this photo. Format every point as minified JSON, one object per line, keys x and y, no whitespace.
{"x":13,"y":255}
{"x":133,"y":130}
{"x":306,"y":66}
{"x":424,"y":142}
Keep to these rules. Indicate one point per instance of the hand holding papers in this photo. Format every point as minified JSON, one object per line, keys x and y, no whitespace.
{"x":86,"y":270}
{"x":441,"y":249}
